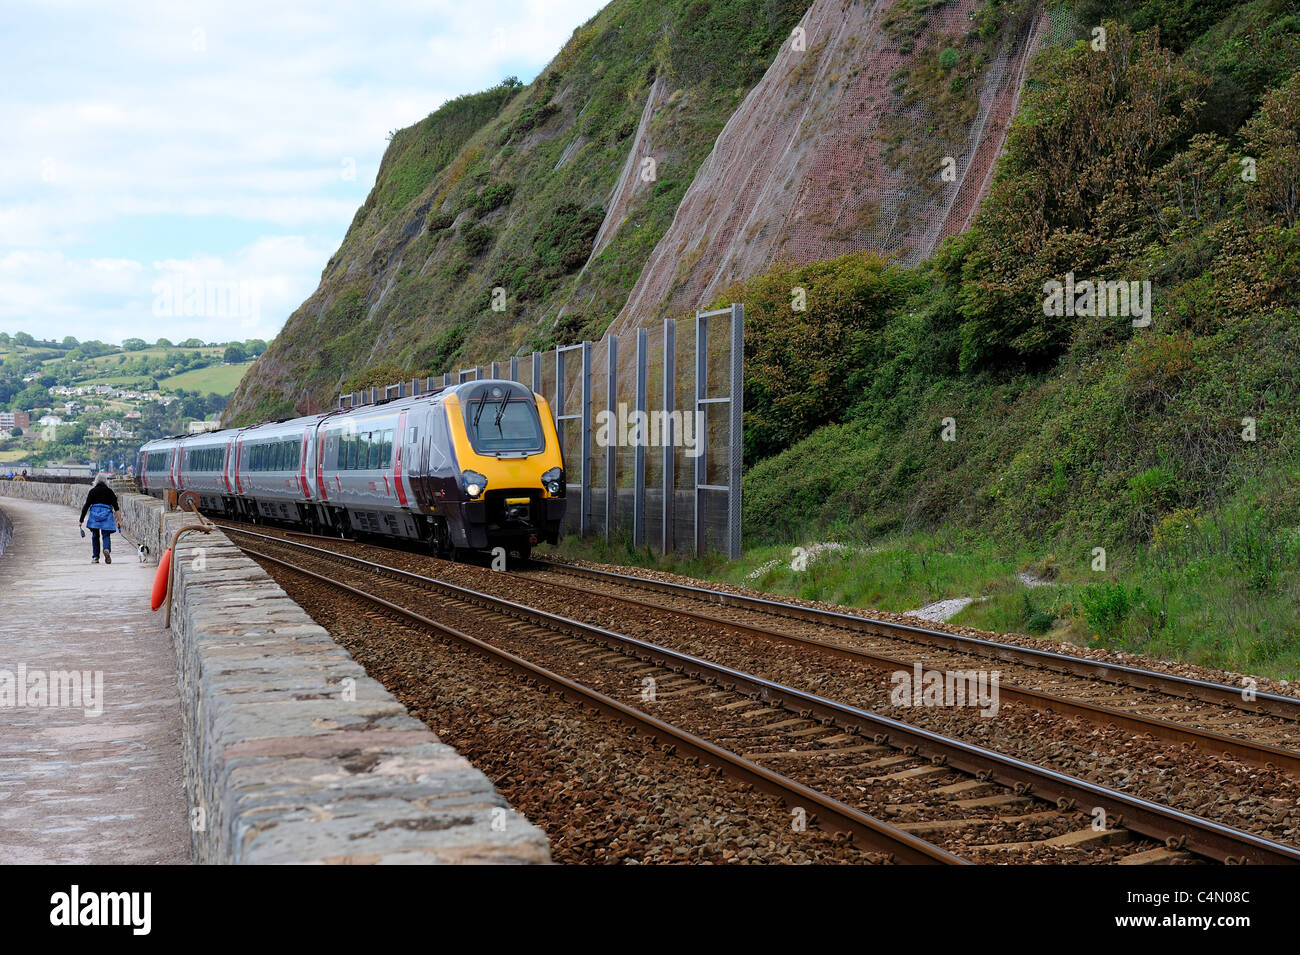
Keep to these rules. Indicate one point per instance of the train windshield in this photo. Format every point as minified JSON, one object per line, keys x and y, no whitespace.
{"x":500,"y":421}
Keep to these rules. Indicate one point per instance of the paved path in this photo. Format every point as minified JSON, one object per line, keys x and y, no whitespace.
{"x":74,"y":787}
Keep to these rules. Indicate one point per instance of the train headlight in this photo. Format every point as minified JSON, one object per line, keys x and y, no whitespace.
{"x":475,"y":483}
{"x":553,"y":481}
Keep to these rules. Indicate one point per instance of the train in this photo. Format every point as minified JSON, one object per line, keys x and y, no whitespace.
{"x":473,"y":466}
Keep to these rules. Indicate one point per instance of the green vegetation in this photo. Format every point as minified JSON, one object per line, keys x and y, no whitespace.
{"x":215,"y":379}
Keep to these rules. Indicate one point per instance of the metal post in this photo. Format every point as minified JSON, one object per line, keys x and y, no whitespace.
{"x":638,"y":475}
{"x":735,"y":434}
{"x":496,"y":369}
{"x":514,"y":367}
{"x":584,"y":518}
{"x":701,"y":437}
{"x":669,"y":448}
{"x":558,"y":407}
{"x":537,"y":372}
{"x":611,"y":449}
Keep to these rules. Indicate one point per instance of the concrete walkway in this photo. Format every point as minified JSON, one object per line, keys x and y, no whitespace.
{"x":76,"y":787}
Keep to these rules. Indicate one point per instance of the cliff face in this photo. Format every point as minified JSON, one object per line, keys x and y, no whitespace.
{"x":870,"y":131}
{"x":670,"y":148}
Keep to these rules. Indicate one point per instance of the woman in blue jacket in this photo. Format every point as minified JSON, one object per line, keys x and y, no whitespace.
{"x":101,"y":503}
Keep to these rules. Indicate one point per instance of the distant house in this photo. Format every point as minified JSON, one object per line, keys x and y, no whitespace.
{"x":14,"y":419}
{"x":111,"y":428}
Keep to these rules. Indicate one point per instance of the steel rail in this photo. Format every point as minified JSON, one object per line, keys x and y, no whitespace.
{"x":866,"y":831}
{"x":1175,"y":827}
{"x":1261,"y":754}
{"x":1206,"y":691}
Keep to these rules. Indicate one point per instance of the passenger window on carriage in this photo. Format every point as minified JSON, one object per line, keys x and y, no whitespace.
{"x":386,"y":455}
{"x":350,"y":459}
{"x":376,"y":441}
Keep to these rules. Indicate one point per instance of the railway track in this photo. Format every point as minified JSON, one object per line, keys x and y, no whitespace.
{"x":846,"y":768}
{"x":1134,"y":700}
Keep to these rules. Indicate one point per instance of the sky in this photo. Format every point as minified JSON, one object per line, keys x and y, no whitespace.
{"x":186,"y":169}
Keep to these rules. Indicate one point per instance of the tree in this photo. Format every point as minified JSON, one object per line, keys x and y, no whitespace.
{"x":163,"y":343}
{"x":234,"y":353}
{"x":33,"y":396}
{"x":254,"y":347}
{"x":135,"y":344}
{"x":191,"y":343}
{"x":22,"y":338}
{"x":69,"y":342}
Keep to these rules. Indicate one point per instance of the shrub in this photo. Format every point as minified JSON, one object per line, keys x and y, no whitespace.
{"x":476,"y":238}
{"x":493,"y":197}
{"x":440,"y":222}
{"x":1106,"y":606}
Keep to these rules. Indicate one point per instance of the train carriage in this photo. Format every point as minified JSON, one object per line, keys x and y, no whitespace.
{"x":201,"y":468}
{"x":154,"y":464}
{"x":359,"y":469}
{"x":271,"y":464}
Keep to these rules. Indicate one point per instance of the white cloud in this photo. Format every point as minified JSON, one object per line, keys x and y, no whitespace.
{"x":128,"y":132}
{"x":51,"y":295}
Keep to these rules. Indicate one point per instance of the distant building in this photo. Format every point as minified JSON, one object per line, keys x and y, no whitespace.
{"x":111,"y":428}
{"x":14,"y":419}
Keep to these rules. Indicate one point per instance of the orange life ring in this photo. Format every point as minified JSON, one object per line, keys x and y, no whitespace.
{"x":160,"y":579}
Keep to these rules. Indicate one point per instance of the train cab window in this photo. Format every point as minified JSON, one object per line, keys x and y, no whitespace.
{"x":502,"y":422}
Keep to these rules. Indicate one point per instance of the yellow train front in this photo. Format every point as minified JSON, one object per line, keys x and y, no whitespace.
{"x":489,"y":472}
